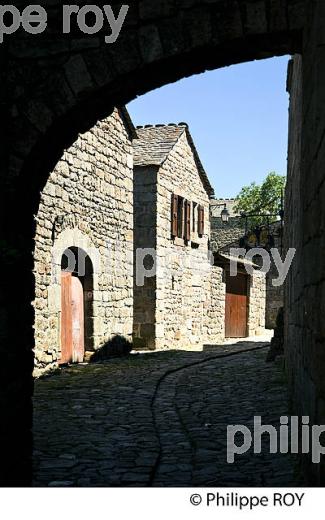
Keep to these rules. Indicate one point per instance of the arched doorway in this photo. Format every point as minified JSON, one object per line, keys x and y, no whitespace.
{"x":76,"y":305}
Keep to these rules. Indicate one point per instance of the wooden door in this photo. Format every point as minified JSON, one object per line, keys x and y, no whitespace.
{"x":236,"y":306}
{"x":72,"y":319}
{"x":78,"y":327}
{"x":66,"y":319}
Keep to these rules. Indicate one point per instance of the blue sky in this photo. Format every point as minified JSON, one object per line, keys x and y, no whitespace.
{"x":238,"y":117}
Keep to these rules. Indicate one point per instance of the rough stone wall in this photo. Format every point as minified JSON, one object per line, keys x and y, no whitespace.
{"x":274,"y":294}
{"x":215,"y":307}
{"x":87,"y":203}
{"x":294,"y":305}
{"x":305,"y":288}
{"x":223,"y":234}
{"x":145,"y":226}
{"x":274,"y":298}
{"x":257,"y":303}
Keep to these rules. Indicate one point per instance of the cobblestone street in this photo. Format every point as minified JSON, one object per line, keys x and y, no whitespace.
{"x":160,"y":419}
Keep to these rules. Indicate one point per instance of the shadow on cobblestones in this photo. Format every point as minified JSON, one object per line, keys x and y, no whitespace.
{"x":159,"y":419}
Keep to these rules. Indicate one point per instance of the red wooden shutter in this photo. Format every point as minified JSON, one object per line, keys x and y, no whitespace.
{"x":201,"y":221}
{"x":194,"y":216}
{"x":180,"y":218}
{"x":174,"y":215}
{"x":187,"y":234}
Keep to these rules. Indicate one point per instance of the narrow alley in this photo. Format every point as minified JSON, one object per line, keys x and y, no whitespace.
{"x":160,"y":419}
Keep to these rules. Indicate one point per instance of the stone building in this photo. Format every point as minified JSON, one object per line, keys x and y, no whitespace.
{"x":186,"y":299}
{"x":183,"y":303}
{"x":246,"y":310}
{"x":226,"y":235}
{"x":84,"y":246}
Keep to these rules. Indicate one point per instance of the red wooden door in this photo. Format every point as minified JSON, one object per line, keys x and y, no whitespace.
{"x":72,"y":320}
{"x":78,"y":327}
{"x":236,"y":306}
{"x":66,"y":319}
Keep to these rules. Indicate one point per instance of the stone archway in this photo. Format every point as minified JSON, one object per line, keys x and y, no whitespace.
{"x":54,"y":88}
{"x":74,"y":82}
{"x":70,"y":243}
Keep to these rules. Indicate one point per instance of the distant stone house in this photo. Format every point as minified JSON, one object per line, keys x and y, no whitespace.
{"x":228,"y":235}
{"x":84,"y":246}
{"x":183,"y":304}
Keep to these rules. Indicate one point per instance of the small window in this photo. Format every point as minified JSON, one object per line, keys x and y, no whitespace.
{"x":177,"y":216}
{"x":200,"y":221}
{"x":180,"y":217}
{"x":194,"y":217}
{"x":187,"y":221}
{"x":174,"y":216}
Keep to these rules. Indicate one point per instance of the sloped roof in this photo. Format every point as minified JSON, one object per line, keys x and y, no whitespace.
{"x":155,"y":143}
{"x":125,"y":116}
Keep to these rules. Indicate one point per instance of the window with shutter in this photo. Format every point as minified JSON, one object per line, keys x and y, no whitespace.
{"x":180,"y":217}
{"x":201,"y":221}
{"x":174,"y":216}
{"x":194,"y":224}
{"x":187,"y":234}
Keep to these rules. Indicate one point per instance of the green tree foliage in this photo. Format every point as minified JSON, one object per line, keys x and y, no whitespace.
{"x":261,"y":199}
